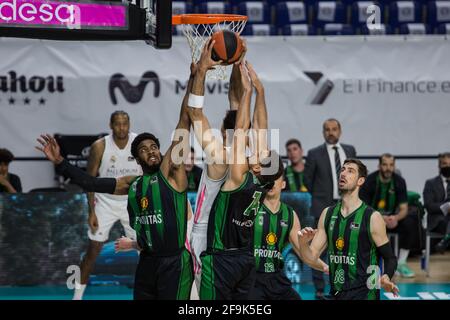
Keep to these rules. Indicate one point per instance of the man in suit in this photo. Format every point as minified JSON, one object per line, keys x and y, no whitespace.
{"x":322,"y":168}
{"x":436,"y":195}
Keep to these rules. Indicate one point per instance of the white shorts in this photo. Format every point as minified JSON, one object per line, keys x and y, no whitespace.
{"x":107,"y":214}
{"x":198,"y":245}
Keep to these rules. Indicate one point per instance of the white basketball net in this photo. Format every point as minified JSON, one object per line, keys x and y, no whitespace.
{"x":197,"y":34}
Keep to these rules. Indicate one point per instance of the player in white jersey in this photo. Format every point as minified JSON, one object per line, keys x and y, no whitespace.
{"x":215,"y":170}
{"x":110,"y":157}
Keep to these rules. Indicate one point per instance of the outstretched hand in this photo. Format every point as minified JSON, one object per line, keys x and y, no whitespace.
{"x":50,"y":148}
{"x":389,"y":286}
{"x":123,"y":244}
{"x":245,"y":78}
{"x":244,"y":51}
{"x":306,"y":235}
{"x":206,"y":62}
{"x":254,"y":76}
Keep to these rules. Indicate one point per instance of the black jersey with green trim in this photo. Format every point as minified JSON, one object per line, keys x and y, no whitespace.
{"x":353,"y":258}
{"x":230,"y":224}
{"x":158,"y":214}
{"x":271,"y":235}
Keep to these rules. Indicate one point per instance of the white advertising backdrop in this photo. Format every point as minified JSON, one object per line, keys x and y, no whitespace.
{"x":390,"y":94}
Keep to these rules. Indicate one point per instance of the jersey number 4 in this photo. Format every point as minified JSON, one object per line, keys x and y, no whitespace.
{"x":254,"y":206}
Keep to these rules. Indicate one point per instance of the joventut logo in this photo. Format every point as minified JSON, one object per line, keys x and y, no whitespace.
{"x":133,"y":93}
{"x":322,"y":89}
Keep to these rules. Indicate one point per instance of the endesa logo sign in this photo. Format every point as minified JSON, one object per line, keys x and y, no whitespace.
{"x":62,"y":14}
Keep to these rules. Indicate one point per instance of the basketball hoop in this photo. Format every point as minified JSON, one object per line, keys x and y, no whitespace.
{"x":199,"y":27}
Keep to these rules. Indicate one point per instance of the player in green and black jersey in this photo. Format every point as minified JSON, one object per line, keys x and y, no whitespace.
{"x":355,"y":235}
{"x":157,"y":206}
{"x":275,"y":226}
{"x":228,"y":266}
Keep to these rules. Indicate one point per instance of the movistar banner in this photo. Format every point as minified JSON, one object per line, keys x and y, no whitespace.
{"x":390,"y":94}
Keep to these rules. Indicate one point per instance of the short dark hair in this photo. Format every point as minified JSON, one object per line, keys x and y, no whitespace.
{"x":444,"y":155}
{"x":293,"y":141}
{"x":385,"y":155}
{"x":6,"y":156}
{"x":362,"y":169}
{"x":139,"y":138}
{"x":229,"y":122}
{"x":332,"y":119}
{"x":118,"y":113}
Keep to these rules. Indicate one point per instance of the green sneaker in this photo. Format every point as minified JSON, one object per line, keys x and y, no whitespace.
{"x":405,"y":271}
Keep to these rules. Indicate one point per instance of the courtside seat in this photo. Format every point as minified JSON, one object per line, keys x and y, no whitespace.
{"x":414,"y":28}
{"x":383,"y":30}
{"x":259,"y":30}
{"x":181,"y":7}
{"x":298,"y":30}
{"x":291,"y":12}
{"x":256,"y":11}
{"x":401,"y":12}
{"x":334,"y":29}
{"x":438,"y":13}
{"x":443,"y":28}
{"x":359,"y":14}
{"x":214,"y":8}
{"x":325,"y":12}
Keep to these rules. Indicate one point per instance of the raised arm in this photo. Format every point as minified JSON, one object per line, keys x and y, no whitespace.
{"x":172,"y":165}
{"x":213,"y":147}
{"x":235,"y":89}
{"x":51,"y":149}
{"x":239,"y":164}
{"x":260,"y":118}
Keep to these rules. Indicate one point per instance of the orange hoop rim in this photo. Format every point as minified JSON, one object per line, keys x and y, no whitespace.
{"x":199,"y":18}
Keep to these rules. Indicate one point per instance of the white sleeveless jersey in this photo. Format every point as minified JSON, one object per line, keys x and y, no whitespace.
{"x":206,"y":194}
{"x":117,"y":163}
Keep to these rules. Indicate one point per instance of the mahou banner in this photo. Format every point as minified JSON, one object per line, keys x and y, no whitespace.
{"x":390,"y":94}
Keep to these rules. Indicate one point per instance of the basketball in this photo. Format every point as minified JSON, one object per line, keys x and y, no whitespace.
{"x":228,"y":46}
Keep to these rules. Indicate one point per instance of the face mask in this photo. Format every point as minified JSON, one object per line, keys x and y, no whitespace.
{"x":445,"y":172}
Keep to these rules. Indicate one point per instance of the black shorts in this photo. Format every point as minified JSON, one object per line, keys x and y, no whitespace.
{"x":227,"y":275}
{"x":360,"y":293}
{"x":164,"y":278}
{"x":273,"y":286}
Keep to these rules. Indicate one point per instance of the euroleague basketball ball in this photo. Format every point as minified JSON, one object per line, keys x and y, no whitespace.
{"x":228,"y":46}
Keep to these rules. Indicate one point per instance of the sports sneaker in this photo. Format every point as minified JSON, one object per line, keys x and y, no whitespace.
{"x":405,"y":271}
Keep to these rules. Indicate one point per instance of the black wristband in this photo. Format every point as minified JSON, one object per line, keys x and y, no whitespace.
{"x":84,"y":180}
{"x":390,"y":261}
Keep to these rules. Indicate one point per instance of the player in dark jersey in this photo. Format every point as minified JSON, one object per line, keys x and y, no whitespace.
{"x":355,"y":235}
{"x":275,"y":226}
{"x":228,"y":266}
{"x":157,"y":206}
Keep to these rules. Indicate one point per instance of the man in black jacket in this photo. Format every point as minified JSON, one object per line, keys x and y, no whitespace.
{"x":386,"y":192}
{"x":321,"y":175}
{"x":436,"y":195}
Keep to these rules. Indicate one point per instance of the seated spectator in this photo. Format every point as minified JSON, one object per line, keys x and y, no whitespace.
{"x":436,"y":195}
{"x":293,"y":174}
{"x":9,"y":182}
{"x":193,"y":172}
{"x":386,"y":192}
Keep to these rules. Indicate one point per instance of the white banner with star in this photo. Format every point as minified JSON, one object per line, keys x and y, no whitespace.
{"x":390,"y":94}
